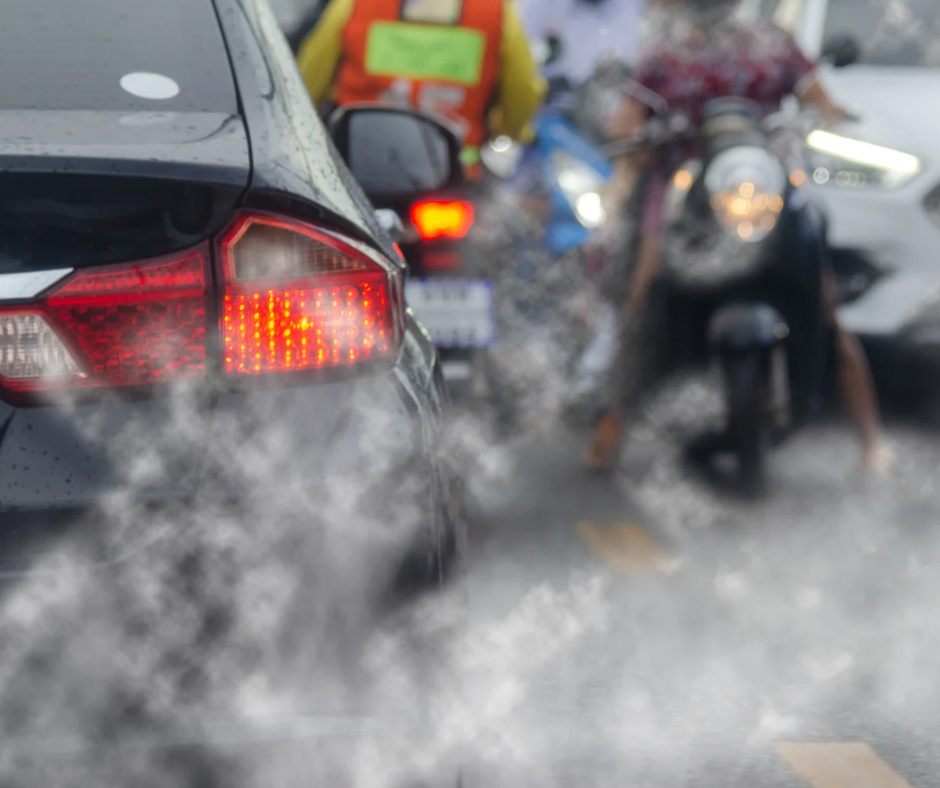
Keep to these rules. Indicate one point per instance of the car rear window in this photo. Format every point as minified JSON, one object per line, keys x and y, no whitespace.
{"x":118,"y":55}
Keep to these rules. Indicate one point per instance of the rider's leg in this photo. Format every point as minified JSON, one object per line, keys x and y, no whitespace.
{"x":609,"y":433}
{"x":858,"y":386}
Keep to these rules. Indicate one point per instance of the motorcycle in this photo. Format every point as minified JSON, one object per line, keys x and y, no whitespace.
{"x":432,"y":219}
{"x":571,"y":171}
{"x":736,"y":230}
{"x":559,"y":179}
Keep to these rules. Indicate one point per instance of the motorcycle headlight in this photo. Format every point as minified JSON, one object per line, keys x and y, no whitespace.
{"x":746,"y":187}
{"x":848,"y":162}
{"x":581,"y":185}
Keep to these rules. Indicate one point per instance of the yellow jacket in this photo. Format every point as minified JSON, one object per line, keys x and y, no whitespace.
{"x":521,"y":88}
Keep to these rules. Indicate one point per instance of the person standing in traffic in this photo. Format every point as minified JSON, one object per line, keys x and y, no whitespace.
{"x":466,"y":60}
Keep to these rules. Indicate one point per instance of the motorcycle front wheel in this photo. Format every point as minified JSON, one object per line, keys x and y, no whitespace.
{"x":748,"y":420}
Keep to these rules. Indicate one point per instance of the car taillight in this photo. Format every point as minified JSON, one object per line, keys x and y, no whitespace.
{"x":118,"y":325}
{"x":435,"y":219}
{"x":297,"y":298}
{"x":291,"y":298}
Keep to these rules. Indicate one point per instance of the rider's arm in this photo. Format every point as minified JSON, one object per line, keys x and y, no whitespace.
{"x":521,"y":88}
{"x":625,"y":122}
{"x":320,"y":52}
{"x":806,"y":86}
{"x":813,"y":94}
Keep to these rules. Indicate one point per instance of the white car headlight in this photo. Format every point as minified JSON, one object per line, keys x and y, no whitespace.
{"x":581,"y":185}
{"x":847,"y":162}
{"x":746,"y":186}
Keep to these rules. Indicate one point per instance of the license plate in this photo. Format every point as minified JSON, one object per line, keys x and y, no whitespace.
{"x":456,"y":312}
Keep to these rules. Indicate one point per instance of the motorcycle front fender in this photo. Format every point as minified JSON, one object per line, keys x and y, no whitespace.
{"x":738,"y":328}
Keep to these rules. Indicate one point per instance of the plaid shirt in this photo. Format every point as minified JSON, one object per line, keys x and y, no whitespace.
{"x":688,"y":68}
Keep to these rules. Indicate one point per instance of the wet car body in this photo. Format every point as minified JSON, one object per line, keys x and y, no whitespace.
{"x":113,"y":177}
{"x":335,"y":475}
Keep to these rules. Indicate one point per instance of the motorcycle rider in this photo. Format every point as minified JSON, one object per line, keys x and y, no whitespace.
{"x":466,"y":60}
{"x":698,"y":51}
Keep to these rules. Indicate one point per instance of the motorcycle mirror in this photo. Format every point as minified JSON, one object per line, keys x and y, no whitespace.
{"x":396,"y":152}
{"x":841,"y":51}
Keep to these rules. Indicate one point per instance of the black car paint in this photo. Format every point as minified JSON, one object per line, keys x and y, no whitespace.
{"x":294,"y":163}
{"x":101,"y":55}
{"x":276,"y":156}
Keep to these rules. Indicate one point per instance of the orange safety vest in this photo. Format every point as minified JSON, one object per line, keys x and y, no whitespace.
{"x":450,"y":67}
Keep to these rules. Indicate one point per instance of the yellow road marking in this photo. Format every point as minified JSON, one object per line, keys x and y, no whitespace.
{"x":848,"y":765}
{"x":626,"y":547}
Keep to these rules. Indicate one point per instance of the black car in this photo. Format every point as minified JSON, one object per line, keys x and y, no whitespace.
{"x":212,"y":395}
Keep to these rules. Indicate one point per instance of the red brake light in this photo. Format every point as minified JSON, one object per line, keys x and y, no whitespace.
{"x":121,"y":325}
{"x":434,"y":219}
{"x":297,"y":298}
{"x":292,"y":298}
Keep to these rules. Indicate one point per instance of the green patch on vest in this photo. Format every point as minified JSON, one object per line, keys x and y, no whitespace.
{"x":452,"y":54}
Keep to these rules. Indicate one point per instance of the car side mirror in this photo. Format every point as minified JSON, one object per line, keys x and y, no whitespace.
{"x":841,"y":51}
{"x":396,"y":153}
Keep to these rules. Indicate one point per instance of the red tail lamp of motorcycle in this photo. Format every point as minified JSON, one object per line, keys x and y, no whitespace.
{"x":442,"y":219}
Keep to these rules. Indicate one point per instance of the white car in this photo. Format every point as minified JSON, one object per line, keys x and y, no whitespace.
{"x":878,"y":178}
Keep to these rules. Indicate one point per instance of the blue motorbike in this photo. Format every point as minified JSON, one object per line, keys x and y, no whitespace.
{"x":562,"y":166}
{"x":563,"y":172}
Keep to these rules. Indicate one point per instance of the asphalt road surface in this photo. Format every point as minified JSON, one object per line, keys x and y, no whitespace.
{"x":654,"y":631}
